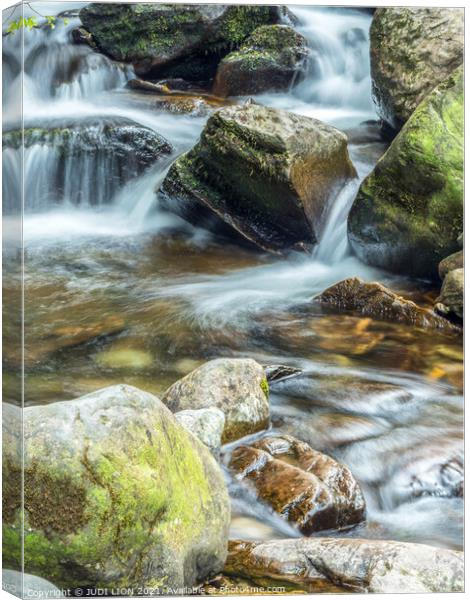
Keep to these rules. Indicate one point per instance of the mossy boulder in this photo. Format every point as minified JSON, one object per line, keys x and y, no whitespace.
{"x":271,"y":58}
{"x":408,"y":213}
{"x":261,"y":175}
{"x":236,"y":386}
{"x":412,"y":50}
{"x":182,"y":40}
{"x":117,"y":494}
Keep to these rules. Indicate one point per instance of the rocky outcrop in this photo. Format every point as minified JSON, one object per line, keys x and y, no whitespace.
{"x":451,"y":298}
{"x":373,"y":566}
{"x":236,"y":386}
{"x":271,"y":58}
{"x":408,"y":213}
{"x":117,"y":493}
{"x":377,"y":301}
{"x":207,"y":424}
{"x":307,"y":488}
{"x":261,"y":174}
{"x":180,"y":40}
{"x":412,"y":51}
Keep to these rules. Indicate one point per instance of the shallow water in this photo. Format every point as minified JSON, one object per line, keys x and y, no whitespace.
{"x":123,"y":292}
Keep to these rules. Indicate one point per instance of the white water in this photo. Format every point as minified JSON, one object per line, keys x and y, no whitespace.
{"x":98,"y":249}
{"x":336,"y":90}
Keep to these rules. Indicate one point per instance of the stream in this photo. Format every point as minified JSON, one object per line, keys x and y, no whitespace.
{"x":118,"y":291}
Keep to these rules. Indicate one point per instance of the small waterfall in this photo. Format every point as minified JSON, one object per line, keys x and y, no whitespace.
{"x":80,"y":163}
{"x":56,"y":68}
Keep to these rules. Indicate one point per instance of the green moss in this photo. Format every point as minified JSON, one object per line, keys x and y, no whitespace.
{"x":265,"y":387}
{"x":143,"y":497}
{"x":411,"y":206}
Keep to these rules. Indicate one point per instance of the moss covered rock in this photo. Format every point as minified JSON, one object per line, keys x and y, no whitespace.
{"x":408,"y":213}
{"x":261,"y":174}
{"x":412,"y":51}
{"x":182,"y":40}
{"x":117,"y":493}
{"x":236,"y":386}
{"x":271,"y":58}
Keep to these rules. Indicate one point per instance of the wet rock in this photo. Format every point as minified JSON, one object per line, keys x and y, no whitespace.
{"x":451,"y":298}
{"x":207,"y":424}
{"x":377,"y":301}
{"x":261,"y":174}
{"x":354,"y":564}
{"x":412,"y":51}
{"x":408,"y":213}
{"x":81,"y":36}
{"x":307,"y":488}
{"x":271,"y":58}
{"x":126,"y":149}
{"x":117,"y":135}
{"x":237,"y":386}
{"x":452,"y":262}
{"x":173,"y":40}
{"x":112,"y":481}
{"x":280,"y":372}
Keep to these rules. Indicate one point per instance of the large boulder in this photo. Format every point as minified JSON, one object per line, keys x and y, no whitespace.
{"x":451,"y":298}
{"x":269,"y":59}
{"x":358,"y":565}
{"x":116,"y":493}
{"x":182,"y":40}
{"x":307,"y":488}
{"x":237,"y":386}
{"x":375,"y":300}
{"x":263,"y":174}
{"x":412,"y":50}
{"x":408,"y":213}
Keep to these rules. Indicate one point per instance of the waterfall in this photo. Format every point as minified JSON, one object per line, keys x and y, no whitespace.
{"x":57,"y":68}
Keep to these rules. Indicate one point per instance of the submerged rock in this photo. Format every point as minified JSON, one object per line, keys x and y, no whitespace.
{"x":117,"y":493}
{"x":269,"y":59}
{"x":207,"y":424}
{"x":358,"y":565}
{"x":377,"y":301}
{"x":264,"y":174}
{"x":412,"y":51}
{"x":182,"y":40}
{"x":408,"y":213}
{"x":451,"y":298}
{"x":307,"y":488}
{"x":237,"y":386}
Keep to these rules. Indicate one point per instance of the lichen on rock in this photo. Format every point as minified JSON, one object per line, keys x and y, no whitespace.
{"x":117,"y":493}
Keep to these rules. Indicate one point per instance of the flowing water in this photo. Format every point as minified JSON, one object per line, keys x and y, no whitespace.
{"x":119,"y":291}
